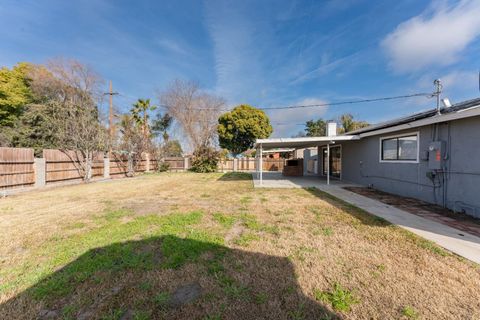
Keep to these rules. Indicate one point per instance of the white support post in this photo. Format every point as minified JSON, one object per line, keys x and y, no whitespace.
{"x":261,"y":164}
{"x":328,"y":163}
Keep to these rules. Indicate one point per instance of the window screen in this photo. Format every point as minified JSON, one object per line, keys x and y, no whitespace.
{"x":400,"y":148}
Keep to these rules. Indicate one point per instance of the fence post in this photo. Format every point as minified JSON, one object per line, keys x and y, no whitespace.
{"x":106,"y":168}
{"x":185,"y":163}
{"x":147,"y":162}
{"x":40,"y":174}
{"x":235,"y":164}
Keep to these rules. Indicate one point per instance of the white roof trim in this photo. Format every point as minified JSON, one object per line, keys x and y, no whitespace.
{"x":302,"y":142}
{"x":465,"y":113}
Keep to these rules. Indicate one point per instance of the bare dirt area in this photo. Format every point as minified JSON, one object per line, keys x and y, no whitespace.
{"x":458,"y":220}
{"x":209,"y":246}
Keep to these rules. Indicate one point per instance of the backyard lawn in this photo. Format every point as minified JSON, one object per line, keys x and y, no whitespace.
{"x":209,"y":246}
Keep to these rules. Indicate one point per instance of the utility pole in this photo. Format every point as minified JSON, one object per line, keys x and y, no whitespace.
{"x":111,"y":129}
{"x":438,"y":90}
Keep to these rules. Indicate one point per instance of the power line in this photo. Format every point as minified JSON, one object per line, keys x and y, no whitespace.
{"x":326,"y":104}
{"x":428,"y":95}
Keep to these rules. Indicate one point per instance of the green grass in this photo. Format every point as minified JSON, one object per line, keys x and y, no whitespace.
{"x":93,"y":251}
{"x":327,"y":231}
{"x":260,"y":298}
{"x":340,"y":299}
{"x":245,"y":239}
{"x":226,"y":221}
{"x":410,"y":312}
{"x":162,"y":299}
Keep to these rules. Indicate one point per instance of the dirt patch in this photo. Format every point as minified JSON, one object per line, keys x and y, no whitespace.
{"x":423,"y":209}
{"x":234,"y":232}
{"x":185,"y":294}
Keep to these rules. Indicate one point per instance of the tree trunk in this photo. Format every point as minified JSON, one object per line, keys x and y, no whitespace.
{"x":130,"y":169}
{"x":88,"y":166}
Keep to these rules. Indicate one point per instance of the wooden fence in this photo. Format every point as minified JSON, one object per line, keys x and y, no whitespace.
{"x":63,"y":165}
{"x":118,"y":166}
{"x":16,"y":167}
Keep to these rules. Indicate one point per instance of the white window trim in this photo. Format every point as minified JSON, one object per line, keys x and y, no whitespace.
{"x":416,"y":133}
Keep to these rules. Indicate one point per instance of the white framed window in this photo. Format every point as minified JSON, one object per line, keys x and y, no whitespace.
{"x":400,"y":148}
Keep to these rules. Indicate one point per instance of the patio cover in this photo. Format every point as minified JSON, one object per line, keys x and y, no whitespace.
{"x":297,"y":143}
{"x":301,"y":142}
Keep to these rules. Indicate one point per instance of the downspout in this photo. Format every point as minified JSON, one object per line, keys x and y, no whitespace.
{"x":328,"y":163}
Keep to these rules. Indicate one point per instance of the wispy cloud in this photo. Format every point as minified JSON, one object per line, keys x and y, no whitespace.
{"x":288,"y":121}
{"x":436,"y":37}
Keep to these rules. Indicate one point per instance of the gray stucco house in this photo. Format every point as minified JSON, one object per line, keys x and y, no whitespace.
{"x":433,"y":156}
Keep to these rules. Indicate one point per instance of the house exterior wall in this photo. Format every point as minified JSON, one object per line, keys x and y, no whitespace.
{"x":458,"y":188}
{"x":310,"y":157}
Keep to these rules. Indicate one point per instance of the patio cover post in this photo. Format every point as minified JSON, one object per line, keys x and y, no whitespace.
{"x":328,"y":163}
{"x":260,"y":161}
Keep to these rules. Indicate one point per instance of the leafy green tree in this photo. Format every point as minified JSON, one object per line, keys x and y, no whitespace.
{"x":239,"y":128}
{"x":348,"y":124}
{"x":15,"y":93}
{"x":316,"y":128}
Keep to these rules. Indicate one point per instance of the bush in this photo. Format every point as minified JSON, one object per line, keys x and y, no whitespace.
{"x":163,"y":166}
{"x":205,"y":159}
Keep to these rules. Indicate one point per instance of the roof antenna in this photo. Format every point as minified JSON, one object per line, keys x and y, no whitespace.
{"x":438,"y":89}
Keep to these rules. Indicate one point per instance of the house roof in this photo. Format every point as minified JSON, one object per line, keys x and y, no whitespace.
{"x":465,"y":109}
{"x":473,"y":103}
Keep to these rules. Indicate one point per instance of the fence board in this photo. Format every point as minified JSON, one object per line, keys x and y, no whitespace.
{"x":175,"y":163}
{"x":16,"y":167}
{"x":63,"y":166}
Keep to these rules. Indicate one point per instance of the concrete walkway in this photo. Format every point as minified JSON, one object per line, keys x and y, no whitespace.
{"x":454,"y":240}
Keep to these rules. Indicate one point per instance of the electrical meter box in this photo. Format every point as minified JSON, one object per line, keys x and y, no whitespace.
{"x":436,"y":155}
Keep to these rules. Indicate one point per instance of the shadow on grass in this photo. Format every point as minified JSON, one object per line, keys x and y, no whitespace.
{"x":235,"y":176}
{"x":168,"y":278}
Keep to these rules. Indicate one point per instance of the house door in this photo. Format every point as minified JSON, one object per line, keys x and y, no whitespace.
{"x":335,"y":161}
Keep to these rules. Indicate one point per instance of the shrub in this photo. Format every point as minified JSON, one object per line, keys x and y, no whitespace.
{"x":163,"y":166}
{"x":205,"y":159}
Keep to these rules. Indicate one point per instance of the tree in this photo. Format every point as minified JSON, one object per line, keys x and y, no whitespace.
{"x":68,"y":92}
{"x":140,"y":115}
{"x":161,"y":125}
{"x":316,"y":128}
{"x":15,"y":93}
{"x":348,"y":124}
{"x":195,"y":111}
{"x":172,"y":148}
{"x":239,"y":128}
{"x":131,"y":142}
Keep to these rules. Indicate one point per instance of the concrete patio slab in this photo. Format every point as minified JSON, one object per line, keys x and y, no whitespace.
{"x":454,"y":240}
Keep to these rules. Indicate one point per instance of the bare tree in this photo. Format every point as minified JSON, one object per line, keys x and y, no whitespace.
{"x":194,"y":110}
{"x":71,"y":91}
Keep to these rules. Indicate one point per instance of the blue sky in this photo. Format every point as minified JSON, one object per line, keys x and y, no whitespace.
{"x":264,"y":53}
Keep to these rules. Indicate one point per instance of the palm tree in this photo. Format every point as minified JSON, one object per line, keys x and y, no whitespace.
{"x":140,"y":115}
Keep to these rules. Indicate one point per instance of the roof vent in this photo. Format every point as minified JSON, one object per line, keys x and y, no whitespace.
{"x":446,"y":103}
{"x":331,"y":129}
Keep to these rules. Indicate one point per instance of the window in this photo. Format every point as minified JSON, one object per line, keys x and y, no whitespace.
{"x":400,"y":148}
